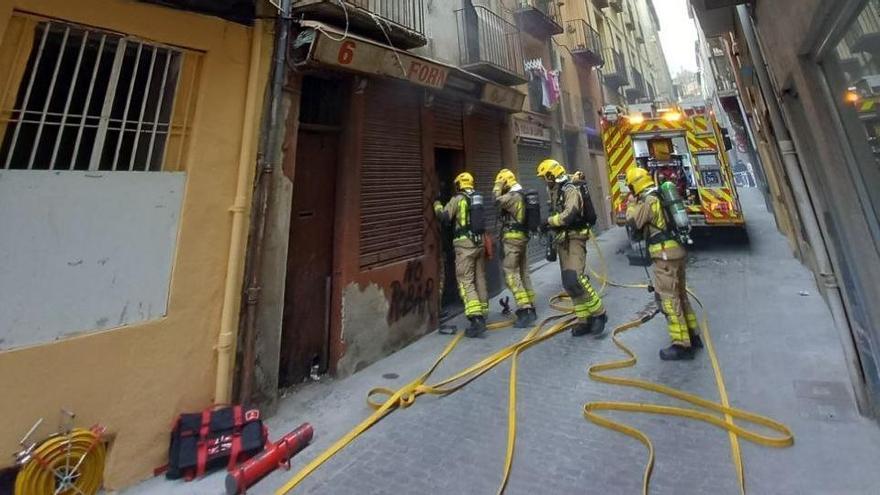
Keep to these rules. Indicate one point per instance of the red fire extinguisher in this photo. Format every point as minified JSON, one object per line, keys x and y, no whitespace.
{"x":275,"y":455}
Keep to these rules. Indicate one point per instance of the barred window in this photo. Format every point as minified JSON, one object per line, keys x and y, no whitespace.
{"x":92,"y":100}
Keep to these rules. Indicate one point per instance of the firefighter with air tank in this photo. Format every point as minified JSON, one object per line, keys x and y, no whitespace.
{"x":572,"y":216}
{"x":520,"y":215}
{"x":465,"y":213}
{"x":658,"y":217}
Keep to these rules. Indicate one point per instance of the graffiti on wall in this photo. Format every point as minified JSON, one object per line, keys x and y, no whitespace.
{"x":413,"y":294}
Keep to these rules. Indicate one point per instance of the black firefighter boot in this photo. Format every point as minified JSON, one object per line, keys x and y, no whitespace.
{"x":696,"y":341}
{"x":582,"y":328}
{"x":533,"y":316}
{"x":676,"y":353}
{"x":597,"y":325}
{"x":477,"y":328}
{"x":522,"y":318}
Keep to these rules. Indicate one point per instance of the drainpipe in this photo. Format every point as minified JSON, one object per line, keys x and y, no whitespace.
{"x":792,"y":166}
{"x":232,"y":290}
{"x":270,"y":159}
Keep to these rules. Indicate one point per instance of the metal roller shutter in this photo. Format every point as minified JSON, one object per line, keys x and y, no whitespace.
{"x":528,"y":158}
{"x":392,"y":190}
{"x":484,"y":162}
{"x":448,"y":131}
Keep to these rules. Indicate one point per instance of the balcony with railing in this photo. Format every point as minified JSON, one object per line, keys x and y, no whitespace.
{"x":864,"y":35}
{"x":402,"y":22}
{"x":636,"y":90}
{"x":539,"y":17}
{"x":614,"y":72}
{"x":584,"y":42}
{"x":490,"y":46}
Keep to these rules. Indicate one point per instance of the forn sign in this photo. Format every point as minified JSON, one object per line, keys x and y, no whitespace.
{"x":365,"y":57}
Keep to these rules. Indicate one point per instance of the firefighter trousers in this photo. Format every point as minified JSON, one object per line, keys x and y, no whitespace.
{"x":470,"y":271}
{"x":669,"y":281}
{"x":572,"y":252}
{"x":516,"y":272}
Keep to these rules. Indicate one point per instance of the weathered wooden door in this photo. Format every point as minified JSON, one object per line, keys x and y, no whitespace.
{"x":305,"y":335}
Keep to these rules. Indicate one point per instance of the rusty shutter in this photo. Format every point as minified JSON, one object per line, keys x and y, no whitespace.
{"x":486,"y":159}
{"x":448,"y":131}
{"x":392,"y":192}
{"x":528,"y":158}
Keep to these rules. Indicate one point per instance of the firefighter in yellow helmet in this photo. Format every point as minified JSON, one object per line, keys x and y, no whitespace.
{"x":571,"y":219}
{"x":465,"y":212}
{"x":645,"y":214}
{"x":511,"y":202}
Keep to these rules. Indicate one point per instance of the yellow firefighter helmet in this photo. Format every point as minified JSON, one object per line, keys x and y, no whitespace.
{"x":464,"y":180}
{"x":638,"y":179}
{"x":506,"y":178}
{"x":550,"y":169}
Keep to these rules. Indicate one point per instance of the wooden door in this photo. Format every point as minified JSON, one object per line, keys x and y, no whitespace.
{"x":305,"y":335}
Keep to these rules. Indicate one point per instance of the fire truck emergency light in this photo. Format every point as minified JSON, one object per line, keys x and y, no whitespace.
{"x":851,"y":96}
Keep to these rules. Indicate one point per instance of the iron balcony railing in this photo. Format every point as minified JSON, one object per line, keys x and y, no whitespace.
{"x":584,"y":41}
{"x":614,"y":71}
{"x":400,"y":21}
{"x":405,"y":13}
{"x":550,"y":8}
{"x":490,"y":46}
{"x":637,"y":88}
{"x":540,"y":17}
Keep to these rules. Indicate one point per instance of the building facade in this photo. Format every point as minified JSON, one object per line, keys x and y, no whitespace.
{"x":806,"y":71}
{"x":129,"y":141}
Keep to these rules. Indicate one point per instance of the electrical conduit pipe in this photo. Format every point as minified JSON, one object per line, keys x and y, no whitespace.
{"x":235,"y":264}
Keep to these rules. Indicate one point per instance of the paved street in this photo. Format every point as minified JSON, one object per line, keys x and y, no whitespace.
{"x":778,"y":350}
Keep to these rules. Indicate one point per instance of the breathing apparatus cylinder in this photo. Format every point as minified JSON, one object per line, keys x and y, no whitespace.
{"x":676,"y":211}
{"x":477,"y":214}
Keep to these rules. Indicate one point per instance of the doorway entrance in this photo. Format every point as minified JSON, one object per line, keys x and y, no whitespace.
{"x":447,"y":164}
{"x":305,"y":336}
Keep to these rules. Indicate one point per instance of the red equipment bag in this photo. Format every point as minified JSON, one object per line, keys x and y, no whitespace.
{"x":213,"y":438}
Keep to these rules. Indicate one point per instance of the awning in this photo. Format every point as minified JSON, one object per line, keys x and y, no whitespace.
{"x":319,"y":45}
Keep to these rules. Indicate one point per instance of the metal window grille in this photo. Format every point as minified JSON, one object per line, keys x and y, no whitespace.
{"x":91,"y":100}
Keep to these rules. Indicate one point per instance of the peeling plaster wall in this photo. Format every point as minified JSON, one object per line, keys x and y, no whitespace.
{"x":366,"y":332}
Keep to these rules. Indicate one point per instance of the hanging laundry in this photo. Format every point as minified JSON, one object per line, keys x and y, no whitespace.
{"x":555,"y":90}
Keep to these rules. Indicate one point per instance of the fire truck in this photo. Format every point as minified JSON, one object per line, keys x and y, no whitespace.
{"x":682,"y":143}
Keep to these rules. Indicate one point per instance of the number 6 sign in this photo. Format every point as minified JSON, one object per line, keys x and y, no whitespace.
{"x":346,"y":52}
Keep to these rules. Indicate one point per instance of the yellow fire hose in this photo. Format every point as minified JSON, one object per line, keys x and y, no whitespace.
{"x":406,"y":396}
{"x":64,"y":464}
{"x":735,"y":431}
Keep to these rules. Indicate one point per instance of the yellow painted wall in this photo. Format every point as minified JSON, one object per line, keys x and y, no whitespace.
{"x":136,"y":379}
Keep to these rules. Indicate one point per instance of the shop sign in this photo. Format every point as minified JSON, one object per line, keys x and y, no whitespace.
{"x":501,"y":96}
{"x":365,"y":57}
{"x":531,"y":130}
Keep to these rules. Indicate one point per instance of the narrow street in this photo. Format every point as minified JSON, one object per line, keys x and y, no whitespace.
{"x":778,"y":350}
